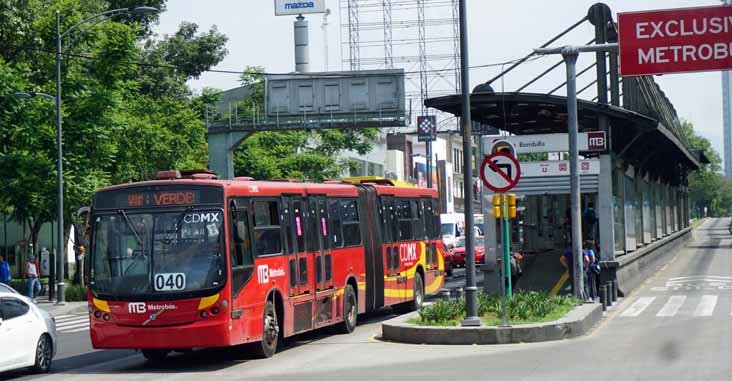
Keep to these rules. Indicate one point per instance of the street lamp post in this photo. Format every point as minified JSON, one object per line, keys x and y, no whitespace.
{"x":96,"y":19}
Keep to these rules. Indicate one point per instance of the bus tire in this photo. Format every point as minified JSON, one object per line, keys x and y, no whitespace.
{"x":270,"y":332}
{"x":350,"y":311}
{"x":155,"y":355}
{"x":416,"y":302}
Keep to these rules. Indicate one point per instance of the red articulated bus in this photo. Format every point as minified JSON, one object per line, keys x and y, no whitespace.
{"x":192,"y":262}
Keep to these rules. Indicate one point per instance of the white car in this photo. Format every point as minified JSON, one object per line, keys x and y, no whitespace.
{"x":27,"y":334}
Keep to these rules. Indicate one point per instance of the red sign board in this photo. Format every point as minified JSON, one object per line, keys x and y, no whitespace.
{"x":675,"y":40}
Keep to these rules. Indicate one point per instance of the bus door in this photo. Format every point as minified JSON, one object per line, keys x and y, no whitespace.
{"x":425,"y":231}
{"x":300,"y":265}
{"x":318,"y":210}
{"x":393,"y":287}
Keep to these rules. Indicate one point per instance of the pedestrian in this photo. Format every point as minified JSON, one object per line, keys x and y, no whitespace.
{"x":4,"y":270}
{"x":591,"y":270}
{"x":567,"y":261}
{"x":31,"y":272}
{"x":516,"y":271}
{"x":589,"y":221}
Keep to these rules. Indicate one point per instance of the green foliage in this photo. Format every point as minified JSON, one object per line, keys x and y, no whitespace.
{"x":75,"y":293}
{"x":707,"y":186}
{"x":442,"y":312}
{"x":522,"y":307}
{"x":123,"y":118}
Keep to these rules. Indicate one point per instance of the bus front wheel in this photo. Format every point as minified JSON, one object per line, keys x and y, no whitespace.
{"x":270,"y":332}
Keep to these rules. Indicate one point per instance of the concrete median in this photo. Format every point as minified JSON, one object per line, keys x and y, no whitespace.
{"x":576,"y":323}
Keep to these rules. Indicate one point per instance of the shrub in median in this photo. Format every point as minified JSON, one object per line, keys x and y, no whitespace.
{"x":523,"y":307}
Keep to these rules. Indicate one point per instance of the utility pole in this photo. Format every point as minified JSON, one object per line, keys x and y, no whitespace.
{"x":570,"y":54}
{"x":471,"y":296}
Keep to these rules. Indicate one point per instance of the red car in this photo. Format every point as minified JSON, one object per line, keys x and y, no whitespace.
{"x":458,"y":252}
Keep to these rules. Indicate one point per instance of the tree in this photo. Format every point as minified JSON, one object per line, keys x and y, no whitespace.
{"x":298,"y":154}
{"x":707,"y":187}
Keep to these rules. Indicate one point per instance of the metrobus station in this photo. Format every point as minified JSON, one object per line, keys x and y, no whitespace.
{"x":633,"y":170}
{"x":634,"y":158}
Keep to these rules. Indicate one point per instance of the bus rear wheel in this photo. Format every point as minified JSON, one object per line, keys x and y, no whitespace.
{"x":270,"y":332}
{"x":416,"y":302}
{"x":350,"y":311}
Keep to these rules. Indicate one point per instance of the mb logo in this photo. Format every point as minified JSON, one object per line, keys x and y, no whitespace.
{"x":136,"y":308}
{"x":596,"y":141}
{"x":263,"y":274}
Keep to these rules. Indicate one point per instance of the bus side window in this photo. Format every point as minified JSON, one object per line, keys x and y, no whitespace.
{"x":427,"y":218}
{"x":351,"y":224}
{"x":418,"y":220}
{"x":242,"y":261}
{"x":286,"y":221}
{"x":406,"y":228}
{"x":267,"y":232}
{"x":336,"y":236}
{"x":299,"y":222}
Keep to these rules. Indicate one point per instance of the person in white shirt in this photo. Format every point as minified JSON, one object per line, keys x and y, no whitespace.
{"x":31,"y":272}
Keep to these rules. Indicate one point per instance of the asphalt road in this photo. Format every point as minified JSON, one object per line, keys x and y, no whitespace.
{"x":674,"y":327}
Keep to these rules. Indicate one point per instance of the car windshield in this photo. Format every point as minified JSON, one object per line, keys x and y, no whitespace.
{"x":448,"y":229}
{"x":158,"y":253}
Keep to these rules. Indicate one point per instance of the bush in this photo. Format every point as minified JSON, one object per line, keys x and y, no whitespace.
{"x":524,"y":306}
{"x":76,"y":293}
{"x":442,"y":312}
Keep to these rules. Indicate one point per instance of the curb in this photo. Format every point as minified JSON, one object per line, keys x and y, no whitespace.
{"x":576,"y":323}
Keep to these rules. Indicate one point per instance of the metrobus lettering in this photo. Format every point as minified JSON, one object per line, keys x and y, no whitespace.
{"x":201,"y":217}
{"x":174,"y":198}
{"x":408,"y":252}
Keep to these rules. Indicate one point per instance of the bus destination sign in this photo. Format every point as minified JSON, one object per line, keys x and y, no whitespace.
{"x":157,"y":196}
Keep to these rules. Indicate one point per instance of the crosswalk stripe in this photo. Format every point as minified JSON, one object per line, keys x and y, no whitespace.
{"x":72,"y":326}
{"x":71,"y":322}
{"x":725,"y":242}
{"x":64,"y":316}
{"x":638,"y":307}
{"x":672,"y":306}
{"x":706,"y":305}
{"x":77,"y":330}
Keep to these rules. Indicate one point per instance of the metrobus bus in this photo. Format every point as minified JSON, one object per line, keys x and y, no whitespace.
{"x":188,"y":261}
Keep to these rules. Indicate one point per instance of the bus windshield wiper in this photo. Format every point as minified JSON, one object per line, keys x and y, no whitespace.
{"x":169,"y":238}
{"x":132,"y":227}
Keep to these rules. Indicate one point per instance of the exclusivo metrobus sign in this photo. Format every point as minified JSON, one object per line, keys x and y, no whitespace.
{"x":675,"y":40}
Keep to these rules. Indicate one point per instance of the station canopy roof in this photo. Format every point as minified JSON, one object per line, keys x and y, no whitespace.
{"x":637,"y":137}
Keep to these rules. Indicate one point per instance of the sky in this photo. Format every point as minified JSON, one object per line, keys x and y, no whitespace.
{"x":498,"y":31}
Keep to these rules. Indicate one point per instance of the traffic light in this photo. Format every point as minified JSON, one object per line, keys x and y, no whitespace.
{"x":511,"y":205}
{"x":503,"y":146}
{"x":497,"y":205}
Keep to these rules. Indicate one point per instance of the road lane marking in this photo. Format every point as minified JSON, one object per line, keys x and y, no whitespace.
{"x":72,"y":326}
{"x":725,"y":243}
{"x":560,"y":283}
{"x":639,"y":306}
{"x":672,"y":306}
{"x":706,"y":305}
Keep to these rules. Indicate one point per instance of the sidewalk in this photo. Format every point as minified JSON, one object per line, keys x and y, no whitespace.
{"x":70,"y":308}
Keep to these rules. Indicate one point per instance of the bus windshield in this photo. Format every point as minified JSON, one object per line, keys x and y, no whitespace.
{"x":158,"y":253}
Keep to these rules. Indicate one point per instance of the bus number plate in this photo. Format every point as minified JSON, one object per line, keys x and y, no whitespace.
{"x":170,"y":282}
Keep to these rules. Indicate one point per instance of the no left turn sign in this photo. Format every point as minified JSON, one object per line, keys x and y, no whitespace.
{"x":500,"y":172}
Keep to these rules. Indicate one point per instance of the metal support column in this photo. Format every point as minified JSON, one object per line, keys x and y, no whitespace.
{"x":570,"y":55}
{"x":59,"y":175}
{"x":471,"y":296}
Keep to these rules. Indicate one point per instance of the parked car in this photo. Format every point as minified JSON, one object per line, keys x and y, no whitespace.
{"x":27,"y":334}
{"x":458,"y":252}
